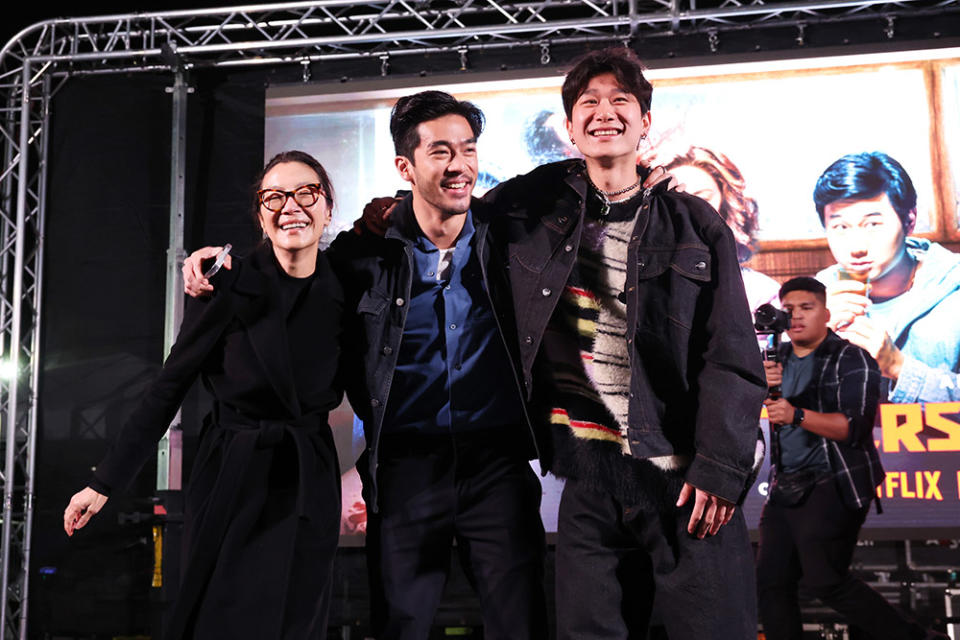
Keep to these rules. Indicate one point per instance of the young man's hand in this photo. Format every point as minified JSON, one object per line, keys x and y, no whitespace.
{"x":83,"y":505}
{"x":657,"y":175}
{"x":710,"y":512}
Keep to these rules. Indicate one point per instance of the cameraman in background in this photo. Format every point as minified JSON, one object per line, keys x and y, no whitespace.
{"x":824,"y":473}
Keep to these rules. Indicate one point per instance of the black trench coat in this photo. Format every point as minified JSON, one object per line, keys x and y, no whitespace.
{"x":262,"y":509}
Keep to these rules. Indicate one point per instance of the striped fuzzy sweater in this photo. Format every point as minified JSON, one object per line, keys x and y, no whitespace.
{"x":588,"y":364}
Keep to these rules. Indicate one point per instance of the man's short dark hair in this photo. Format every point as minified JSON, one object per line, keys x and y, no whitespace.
{"x":805,"y":283}
{"x":410,"y":111}
{"x":621,"y":62}
{"x":860,"y":176}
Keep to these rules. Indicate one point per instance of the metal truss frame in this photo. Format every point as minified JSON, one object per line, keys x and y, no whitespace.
{"x":36,"y":62}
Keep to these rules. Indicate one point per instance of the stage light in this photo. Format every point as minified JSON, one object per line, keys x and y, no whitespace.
{"x":7,"y":370}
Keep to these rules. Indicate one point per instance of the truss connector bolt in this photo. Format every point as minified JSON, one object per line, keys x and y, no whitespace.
{"x":801,"y":38}
{"x":890,"y":31}
{"x":544,"y":53}
{"x":464,"y":63}
{"x":713,"y":39}
{"x":385,"y":65}
{"x":306,"y":73}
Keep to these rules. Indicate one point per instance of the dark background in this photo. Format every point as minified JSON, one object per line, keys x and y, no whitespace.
{"x":106,"y":240}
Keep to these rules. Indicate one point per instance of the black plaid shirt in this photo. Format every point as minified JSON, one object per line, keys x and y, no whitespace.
{"x":845,"y":380}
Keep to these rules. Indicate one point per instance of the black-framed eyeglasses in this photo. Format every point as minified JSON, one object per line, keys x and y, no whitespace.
{"x":305,"y":196}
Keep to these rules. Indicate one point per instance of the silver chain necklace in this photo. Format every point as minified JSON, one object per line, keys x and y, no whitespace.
{"x":604,"y":196}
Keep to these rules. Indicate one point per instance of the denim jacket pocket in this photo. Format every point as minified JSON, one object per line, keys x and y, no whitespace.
{"x":692,"y":262}
{"x":372,"y":302}
{"x":652,"y":263}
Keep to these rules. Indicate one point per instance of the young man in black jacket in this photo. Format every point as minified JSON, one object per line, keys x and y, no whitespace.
{"x":448,"y":440}
{"x":637,"y":347}
{"x":824,"y":473}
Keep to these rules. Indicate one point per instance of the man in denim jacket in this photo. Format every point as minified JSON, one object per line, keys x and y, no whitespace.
{"x":636,"y":346}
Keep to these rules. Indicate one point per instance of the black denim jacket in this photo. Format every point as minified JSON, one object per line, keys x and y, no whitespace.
{"x":697,"y":382}
{"x":377,"y":274}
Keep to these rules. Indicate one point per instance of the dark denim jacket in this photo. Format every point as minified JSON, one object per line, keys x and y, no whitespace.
{"x":697,"y":382}
{"x":377,"y":274}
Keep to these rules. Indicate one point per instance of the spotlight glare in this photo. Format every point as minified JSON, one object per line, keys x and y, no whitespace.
{"x":7,"y":370}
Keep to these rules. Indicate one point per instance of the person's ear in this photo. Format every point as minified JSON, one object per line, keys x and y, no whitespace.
{"x":910,"y":222}
{"x":404,"y":168}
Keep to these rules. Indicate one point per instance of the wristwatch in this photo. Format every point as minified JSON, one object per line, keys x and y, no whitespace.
{"x":798,"y":416}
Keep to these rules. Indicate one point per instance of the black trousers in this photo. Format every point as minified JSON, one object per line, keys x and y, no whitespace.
{"x":807,"y":549}
{"x":626,"y":572}
{"x":474,"y":489}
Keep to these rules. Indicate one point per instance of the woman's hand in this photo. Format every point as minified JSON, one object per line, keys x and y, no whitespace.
{"x":195,"y":284}
{"x":83,"y":506}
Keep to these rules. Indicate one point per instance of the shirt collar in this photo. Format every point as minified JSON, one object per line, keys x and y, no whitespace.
{"x":423,"y":243}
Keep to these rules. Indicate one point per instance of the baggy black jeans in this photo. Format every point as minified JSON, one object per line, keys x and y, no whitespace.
{"x":622,"y":570}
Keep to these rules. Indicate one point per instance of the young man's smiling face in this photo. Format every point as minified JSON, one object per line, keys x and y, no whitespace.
{"x":443,"y":169}
{"x":866,"y":236}
{"x":607,"y":121}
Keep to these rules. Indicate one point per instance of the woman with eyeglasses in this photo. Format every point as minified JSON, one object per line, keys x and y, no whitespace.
{"x":262,"y":508}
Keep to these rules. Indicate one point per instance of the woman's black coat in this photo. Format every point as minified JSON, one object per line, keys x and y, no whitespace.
{"x":263,"y":501}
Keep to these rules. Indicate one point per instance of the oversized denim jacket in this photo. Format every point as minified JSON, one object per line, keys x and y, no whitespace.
{"x":697,"y":383}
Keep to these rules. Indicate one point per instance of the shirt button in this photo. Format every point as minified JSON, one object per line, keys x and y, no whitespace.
{"x":568,"y":248}
{"x":429,"y":273}
{"x":545,"y":292}
{"x":374,"y":403}
{"x":701,"y":265}
{"x":528,"y":340}
{"x":562,"y":219}
{"x":400,"y":302}
{"x":452,"y":326}
{"x":387,"y":351}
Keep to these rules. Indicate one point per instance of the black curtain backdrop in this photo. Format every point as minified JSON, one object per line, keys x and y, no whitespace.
{"x":103,"y":308}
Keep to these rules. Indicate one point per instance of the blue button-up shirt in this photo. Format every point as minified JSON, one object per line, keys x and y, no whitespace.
{"x":453,"y":372}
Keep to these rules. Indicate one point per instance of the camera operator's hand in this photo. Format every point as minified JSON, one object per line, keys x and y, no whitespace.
{"x":846,"y":300}
{"x":779,"y":411}
{"x":774,"y":372}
